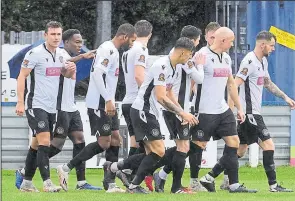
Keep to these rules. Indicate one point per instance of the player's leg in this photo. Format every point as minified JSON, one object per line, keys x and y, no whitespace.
{"x":227,"y":130}
{"x":43,"y":123}
{"x":100,"y":125}
{"x":75,"y":133}
{"x":25,"y":175}
{"x":268,"y":147}
{"x":126,"y":114}
{"x":195,"y":160}
{"x":147,"y":129}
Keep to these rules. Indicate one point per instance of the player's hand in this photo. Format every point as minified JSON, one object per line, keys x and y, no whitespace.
{"x":20,"y":108}
{"x":69,"y":69}
{"x":189,"y":118}
{"x":200,"y":59}
{"x":110,"y":108}
{"x":89,"y":55}
{"x":290,"y":102}
{"x":241,"y":117}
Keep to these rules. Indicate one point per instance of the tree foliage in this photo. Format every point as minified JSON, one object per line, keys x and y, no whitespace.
{"x":167,"y":17}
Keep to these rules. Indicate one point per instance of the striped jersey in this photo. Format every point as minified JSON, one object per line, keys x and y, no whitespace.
{"x":253,"y":72}
{"x":43,"y":81}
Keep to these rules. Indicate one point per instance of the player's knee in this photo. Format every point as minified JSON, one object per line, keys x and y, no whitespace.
{"x":267,"y":145}
{"x":201,"y":144}
{"x":104,"y":142}
{"x":133,"y":142}
{"x":58,"y":143}
{"x":242,"y":150}
{"x":232,"y":141}
{"x":183,"y":146}
{"x":78,"y":137}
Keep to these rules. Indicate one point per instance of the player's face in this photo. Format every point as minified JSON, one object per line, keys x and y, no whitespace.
{"x":185,"y":56}
{"x":210,"y":37}
{"x":53,"y":36}
{"x":75,"y":44}
{"x":196,"y":41}
{"x":269,"y":47}
{"x":131,"y":40}
{"x":228,"y":43}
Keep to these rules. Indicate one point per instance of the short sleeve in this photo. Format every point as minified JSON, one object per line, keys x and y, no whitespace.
{"x":265,"y":64}
{"x":160,"y":75}
{"x":30,"y":60}
{"x":140,"y":58}
{"x":102,"y":60}
{"x":246,"y":69}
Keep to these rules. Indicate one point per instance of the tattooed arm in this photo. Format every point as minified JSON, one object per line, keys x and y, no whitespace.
{"x":275,"y":90}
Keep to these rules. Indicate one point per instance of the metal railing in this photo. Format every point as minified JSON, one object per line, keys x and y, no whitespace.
{"x":21,"y":38}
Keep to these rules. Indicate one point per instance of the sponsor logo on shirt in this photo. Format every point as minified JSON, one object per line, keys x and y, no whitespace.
{"x":141,"y":59}
{"x":244,"y":71}
{"x":105,"y":62}
{"x":221,"y":72}
{"x":61,"y":59}
{"x":25,"y":63}
{"x":161,"y":77}
{"x":53,"y":71}
{"x":190,"y":64}
{"x":260,"y":81}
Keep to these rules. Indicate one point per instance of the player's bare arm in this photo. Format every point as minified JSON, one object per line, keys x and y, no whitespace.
{"x":275,"y":90}
{"x":160,"y":92}
{"x":172,"y":97}
{"x":238,"y":82}
{"x":20,"y":106}
{"x":233,"y":94}
{"x":139,"y":74}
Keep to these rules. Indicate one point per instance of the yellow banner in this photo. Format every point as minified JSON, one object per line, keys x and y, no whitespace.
{"x":283,"y":38}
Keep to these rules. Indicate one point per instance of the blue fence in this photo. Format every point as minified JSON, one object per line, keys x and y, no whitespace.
{"x":261,"y":15}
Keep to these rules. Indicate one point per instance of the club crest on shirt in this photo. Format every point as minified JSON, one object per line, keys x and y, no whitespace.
{"x":105,"y":62}
{"x":244,"y":71}
{"x":25,"y":63}
{"x":141,"y":59}
{"x":61,"y":59}
{"x":190,"y":64}
{"x":161,"y":77}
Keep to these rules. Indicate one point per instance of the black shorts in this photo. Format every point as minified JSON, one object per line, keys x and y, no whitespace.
{"x":176,"y":130}
{"x":253,"y":130}
{"x":40,"y":121}
{"x":214,"y":125}
{"x":66,"y":123}
{"x":126,"y":114}
{"x":146,"y":126}
{"x":101,"y":124}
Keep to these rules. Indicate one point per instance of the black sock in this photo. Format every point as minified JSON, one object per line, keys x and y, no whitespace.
{"x":88,"y":152}
{"x":80,"y":169}
{"x":228,"y":161}
{"x":53,"y":151}
{"x":269,"y":166}
{"x":31,"y":164}
{"x":145,"y":167}
{"x":195,"y":159}
{"x":132,"y":151}
{"x":225,"y":171}
{"x":112,"y":153}
{"x":167,"y":168}
{"x":140,"y":150}
{"x":43,"y":161}
{"x":132,"y":162}
{"x":178,"y":164}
